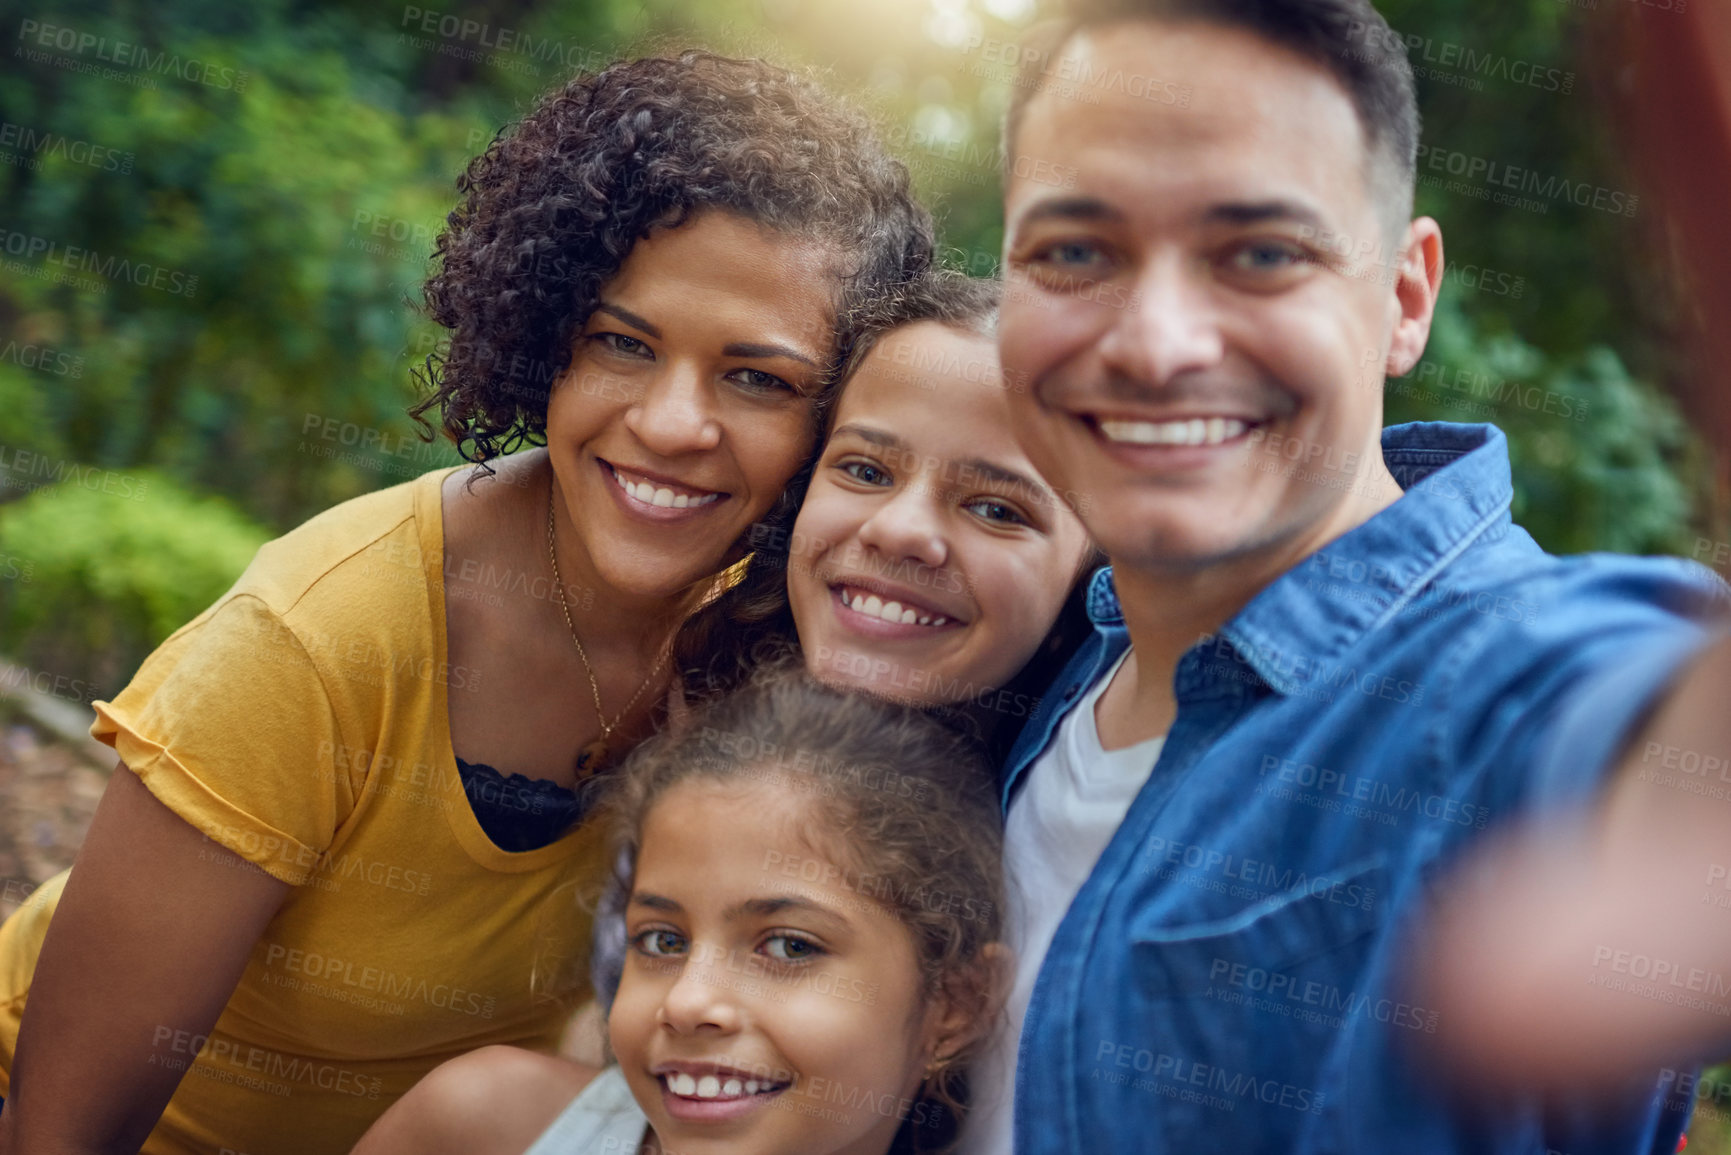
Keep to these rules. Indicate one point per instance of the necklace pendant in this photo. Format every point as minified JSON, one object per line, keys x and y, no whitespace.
{"x":590,"y":758}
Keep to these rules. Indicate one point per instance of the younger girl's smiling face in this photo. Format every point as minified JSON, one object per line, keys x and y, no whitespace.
{"x":768,"y":1004}
{"x":929,"y":559}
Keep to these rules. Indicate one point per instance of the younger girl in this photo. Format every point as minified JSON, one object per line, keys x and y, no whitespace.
{"x":813,"y":915}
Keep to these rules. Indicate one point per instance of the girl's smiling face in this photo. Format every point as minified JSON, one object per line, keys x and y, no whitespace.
{"x":929,"y":559}
{"x":768,"y":1004}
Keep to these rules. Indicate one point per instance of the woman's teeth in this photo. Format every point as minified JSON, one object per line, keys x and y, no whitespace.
{"x":665,"y":498}
{"x":1195,"y":431}
{"x":712,"y":1087}
{"x":889,"y":611}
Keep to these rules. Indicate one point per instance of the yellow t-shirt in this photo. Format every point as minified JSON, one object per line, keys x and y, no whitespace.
{"x":301,"y":722}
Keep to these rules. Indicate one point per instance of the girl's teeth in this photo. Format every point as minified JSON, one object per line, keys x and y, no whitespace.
{"x":731,"y":1088}
{"x":708,"y":1087}
{"x":682,"y":1084}
{"x":751,"y":1086}
{"x":663,"y":498}
{"x":889,"y":611}
{"x":1195,"y":431}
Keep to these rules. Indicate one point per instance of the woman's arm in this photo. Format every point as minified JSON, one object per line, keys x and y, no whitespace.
{"x":152,"y":933}
{"x":494,"y":1101}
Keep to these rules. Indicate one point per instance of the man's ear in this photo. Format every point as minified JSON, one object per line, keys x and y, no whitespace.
{"x":1418,"y":280}
{"x":970,"y":1002}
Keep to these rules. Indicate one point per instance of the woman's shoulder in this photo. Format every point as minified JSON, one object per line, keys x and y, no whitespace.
{"x":377,"y":539}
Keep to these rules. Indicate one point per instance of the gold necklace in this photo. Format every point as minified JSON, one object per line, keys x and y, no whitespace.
{"x":595,"y":753}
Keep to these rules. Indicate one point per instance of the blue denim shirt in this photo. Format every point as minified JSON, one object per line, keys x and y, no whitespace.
{"x":1223,"y":980}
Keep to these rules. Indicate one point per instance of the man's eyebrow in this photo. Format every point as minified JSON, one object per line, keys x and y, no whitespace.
{"x":765,"y":907}
{"x":1264,"y":212}
{"x":748,"y":349}
{"x":1071,"y":209}
{"x":629,"y":318}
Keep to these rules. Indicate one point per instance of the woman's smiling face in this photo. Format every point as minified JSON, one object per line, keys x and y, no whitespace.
{"x":929,"y":559}
{"x":688,"y":403}
{"x":766,"y":1007}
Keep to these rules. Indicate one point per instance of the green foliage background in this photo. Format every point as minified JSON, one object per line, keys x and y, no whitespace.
{"x":301,"y":169}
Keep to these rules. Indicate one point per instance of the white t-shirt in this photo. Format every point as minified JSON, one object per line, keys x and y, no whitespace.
{"x":1075,"y":796}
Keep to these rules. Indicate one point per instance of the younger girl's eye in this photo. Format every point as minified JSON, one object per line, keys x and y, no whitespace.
{"x":659,"y":943}
{"x":996,"y":511}
{"x":791,"y":948}
{"x":865,"y":472}
{"x":760,"y":382}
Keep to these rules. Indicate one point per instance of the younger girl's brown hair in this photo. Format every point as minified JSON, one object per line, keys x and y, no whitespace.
{"x":894,"y":796}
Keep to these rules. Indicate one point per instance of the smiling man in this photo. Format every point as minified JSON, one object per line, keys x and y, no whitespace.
{"x":1325,"y":659}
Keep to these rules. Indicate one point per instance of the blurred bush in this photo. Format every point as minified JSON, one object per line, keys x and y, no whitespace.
{"x":105,"y":565}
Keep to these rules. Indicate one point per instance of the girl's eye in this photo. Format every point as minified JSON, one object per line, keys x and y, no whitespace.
{"x":760,"y":382}
{"x":791,"y":948}
{"x":659,"y":943}
{"x":865,"y":472}
{"x":620,"y":343}
{"x":996,"y":511}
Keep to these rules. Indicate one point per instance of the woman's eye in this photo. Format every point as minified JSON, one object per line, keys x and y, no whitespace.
{"x":760,"y":382}
{"x":659,"y":943}
{"x":790,"y":948}
{"x":865,"y":473}
{"x":996,"y":511}
{"x":620,"y":343}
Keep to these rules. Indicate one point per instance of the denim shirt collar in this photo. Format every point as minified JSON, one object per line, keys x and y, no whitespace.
{"x":1457,"y":486}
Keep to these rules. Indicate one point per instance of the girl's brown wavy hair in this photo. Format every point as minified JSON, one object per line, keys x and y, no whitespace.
{"x":894,"y":796}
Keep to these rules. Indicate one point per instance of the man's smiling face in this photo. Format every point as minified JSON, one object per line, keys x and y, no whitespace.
{"x":1183,"y":323}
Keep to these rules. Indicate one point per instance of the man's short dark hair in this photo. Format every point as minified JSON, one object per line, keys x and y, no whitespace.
{"x":1347,"y":37}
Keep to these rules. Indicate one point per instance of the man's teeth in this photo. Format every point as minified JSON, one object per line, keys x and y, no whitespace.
{"x":1195,"y":431}
{"x":663,"y":497}
{"x":712,"y":1087}
{"x":889,"y":611}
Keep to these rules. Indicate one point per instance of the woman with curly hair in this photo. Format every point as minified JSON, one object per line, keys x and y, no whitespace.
{"x":347,"y":820}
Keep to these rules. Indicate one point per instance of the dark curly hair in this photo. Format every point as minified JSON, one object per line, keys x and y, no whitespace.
{"x":552,"y":208}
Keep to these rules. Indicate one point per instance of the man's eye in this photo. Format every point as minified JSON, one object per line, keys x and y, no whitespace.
{"x":996,"y":511}
{"x":1266,"y":256}
{"x":760,"y":382}
{"x":620,"y":343}
{"x":1072,"y":255}
{"x":659,"y":943}
{"x":865,"y":473}
{"x":790,"y":948}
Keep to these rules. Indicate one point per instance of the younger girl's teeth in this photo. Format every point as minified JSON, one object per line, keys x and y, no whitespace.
{"x":751,"y":1086}
{"x":731,"y":1088}
{"x":681,"y":1084}
{"x":708,"y":1087}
